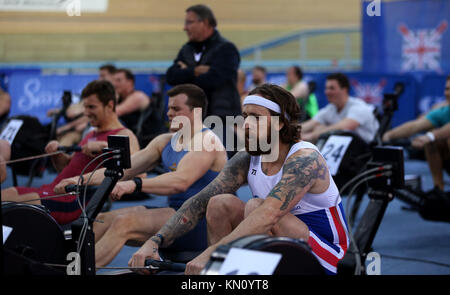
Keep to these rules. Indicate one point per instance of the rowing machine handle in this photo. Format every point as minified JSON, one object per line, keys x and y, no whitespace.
{"x":69,"y":149}
{"x":71,"y":188}
{"x":166,"y":265}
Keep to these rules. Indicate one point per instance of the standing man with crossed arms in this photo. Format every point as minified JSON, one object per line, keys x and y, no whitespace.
{"x":211,"y":62}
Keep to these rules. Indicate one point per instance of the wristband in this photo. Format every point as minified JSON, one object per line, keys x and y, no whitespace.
{"x":431,"y":136}
{"x":160,"y":237}
{"x":138,"y":182}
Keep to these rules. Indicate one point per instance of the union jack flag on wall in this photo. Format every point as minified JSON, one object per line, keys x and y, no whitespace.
{"x":421,"y":49}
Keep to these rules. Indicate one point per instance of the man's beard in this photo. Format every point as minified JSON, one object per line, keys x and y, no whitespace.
{"x":258,"y":151}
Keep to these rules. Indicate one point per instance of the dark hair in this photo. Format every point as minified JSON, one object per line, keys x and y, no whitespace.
{"x":260,"y":68}
{"x":204,"y":13}
{"x":103,"y":89}
{"x":298,"y":72}
{"x":448,"y":77}
{"x":341,"y":79}
{"x":196,"y":96}
{"x":291,"y":131}
{"x":128,"y":74}
{"x":108,"y":67}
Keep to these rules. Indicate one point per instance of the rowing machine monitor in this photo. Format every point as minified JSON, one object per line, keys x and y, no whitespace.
{"x":388,"y":155}
{"x":119,"y":145}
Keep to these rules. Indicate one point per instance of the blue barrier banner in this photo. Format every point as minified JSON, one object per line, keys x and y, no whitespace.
{"x":148,"y":83}
{"x":372,"y":87}
{"x":5,"y":74}
{"x":35,"y":94}
{"x":407,"y":36}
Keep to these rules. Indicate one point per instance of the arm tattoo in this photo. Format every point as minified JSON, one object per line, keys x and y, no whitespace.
{"x":298,"y":172}
{"x":233,"y":175}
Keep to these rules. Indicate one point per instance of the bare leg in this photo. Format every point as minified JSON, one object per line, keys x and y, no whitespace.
{"x":436,"y":152}
{"x":288,"y":226}
{"x":223,"y":214}
{"x":106,"y":219}
{"x":251,"y":205}
{"x":11,"y":195}
{"x":137,"y":225}
{"x":292,"y":227}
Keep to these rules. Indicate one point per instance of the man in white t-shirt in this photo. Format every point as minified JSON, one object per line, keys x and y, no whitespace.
{"x":342,"y":113}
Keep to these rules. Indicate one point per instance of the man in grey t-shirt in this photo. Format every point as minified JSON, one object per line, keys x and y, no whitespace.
{"x":342,"y":113}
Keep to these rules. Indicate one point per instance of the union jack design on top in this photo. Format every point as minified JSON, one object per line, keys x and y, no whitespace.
{"x":421,"y":49}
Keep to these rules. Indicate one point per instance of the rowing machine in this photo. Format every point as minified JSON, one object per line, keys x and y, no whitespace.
{"x":38,"y":243}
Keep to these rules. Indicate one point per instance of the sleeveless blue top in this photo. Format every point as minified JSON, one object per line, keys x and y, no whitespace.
{"x":170,"y":160}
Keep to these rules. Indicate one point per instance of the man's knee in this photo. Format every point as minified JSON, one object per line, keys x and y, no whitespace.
{"x":123,"y":224}
{"x":103,"y":216}
{"x":251,"y":205}
{"x":8,"y":194}
{"x":221,"y":206}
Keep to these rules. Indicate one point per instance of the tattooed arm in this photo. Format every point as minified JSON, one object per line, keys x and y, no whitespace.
{"x":233,"y":175}
{"x":301,"y":172}
{"x":304,"y":171}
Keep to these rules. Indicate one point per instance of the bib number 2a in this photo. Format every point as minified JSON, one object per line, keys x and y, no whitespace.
{"x":334,"y":150}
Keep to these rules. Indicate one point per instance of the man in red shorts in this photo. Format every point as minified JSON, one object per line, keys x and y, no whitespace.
{"x":99,"y":106}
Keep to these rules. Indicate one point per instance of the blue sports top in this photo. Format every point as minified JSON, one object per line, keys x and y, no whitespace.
{"x":170,"y":160}
{"x":439,"y":117}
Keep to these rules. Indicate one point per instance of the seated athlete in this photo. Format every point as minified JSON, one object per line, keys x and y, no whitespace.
{"x":436,"y":140}
{"x":130,"y":100}
{"x":187,"y":172}
{"x":343,"y":112}
{"x":300,"y":90}
{"x":294,"y":195}
{"x":99,"y":106}
{"x":72,"y":132}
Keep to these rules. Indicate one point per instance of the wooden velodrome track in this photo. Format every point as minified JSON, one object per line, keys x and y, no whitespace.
{"x":153,"y":29}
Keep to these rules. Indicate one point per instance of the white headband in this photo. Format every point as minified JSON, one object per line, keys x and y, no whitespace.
{"x":264,"y":102}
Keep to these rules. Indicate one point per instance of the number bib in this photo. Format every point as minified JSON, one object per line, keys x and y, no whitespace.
{"x":10,"y":131}
{"x":334,"y":150}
